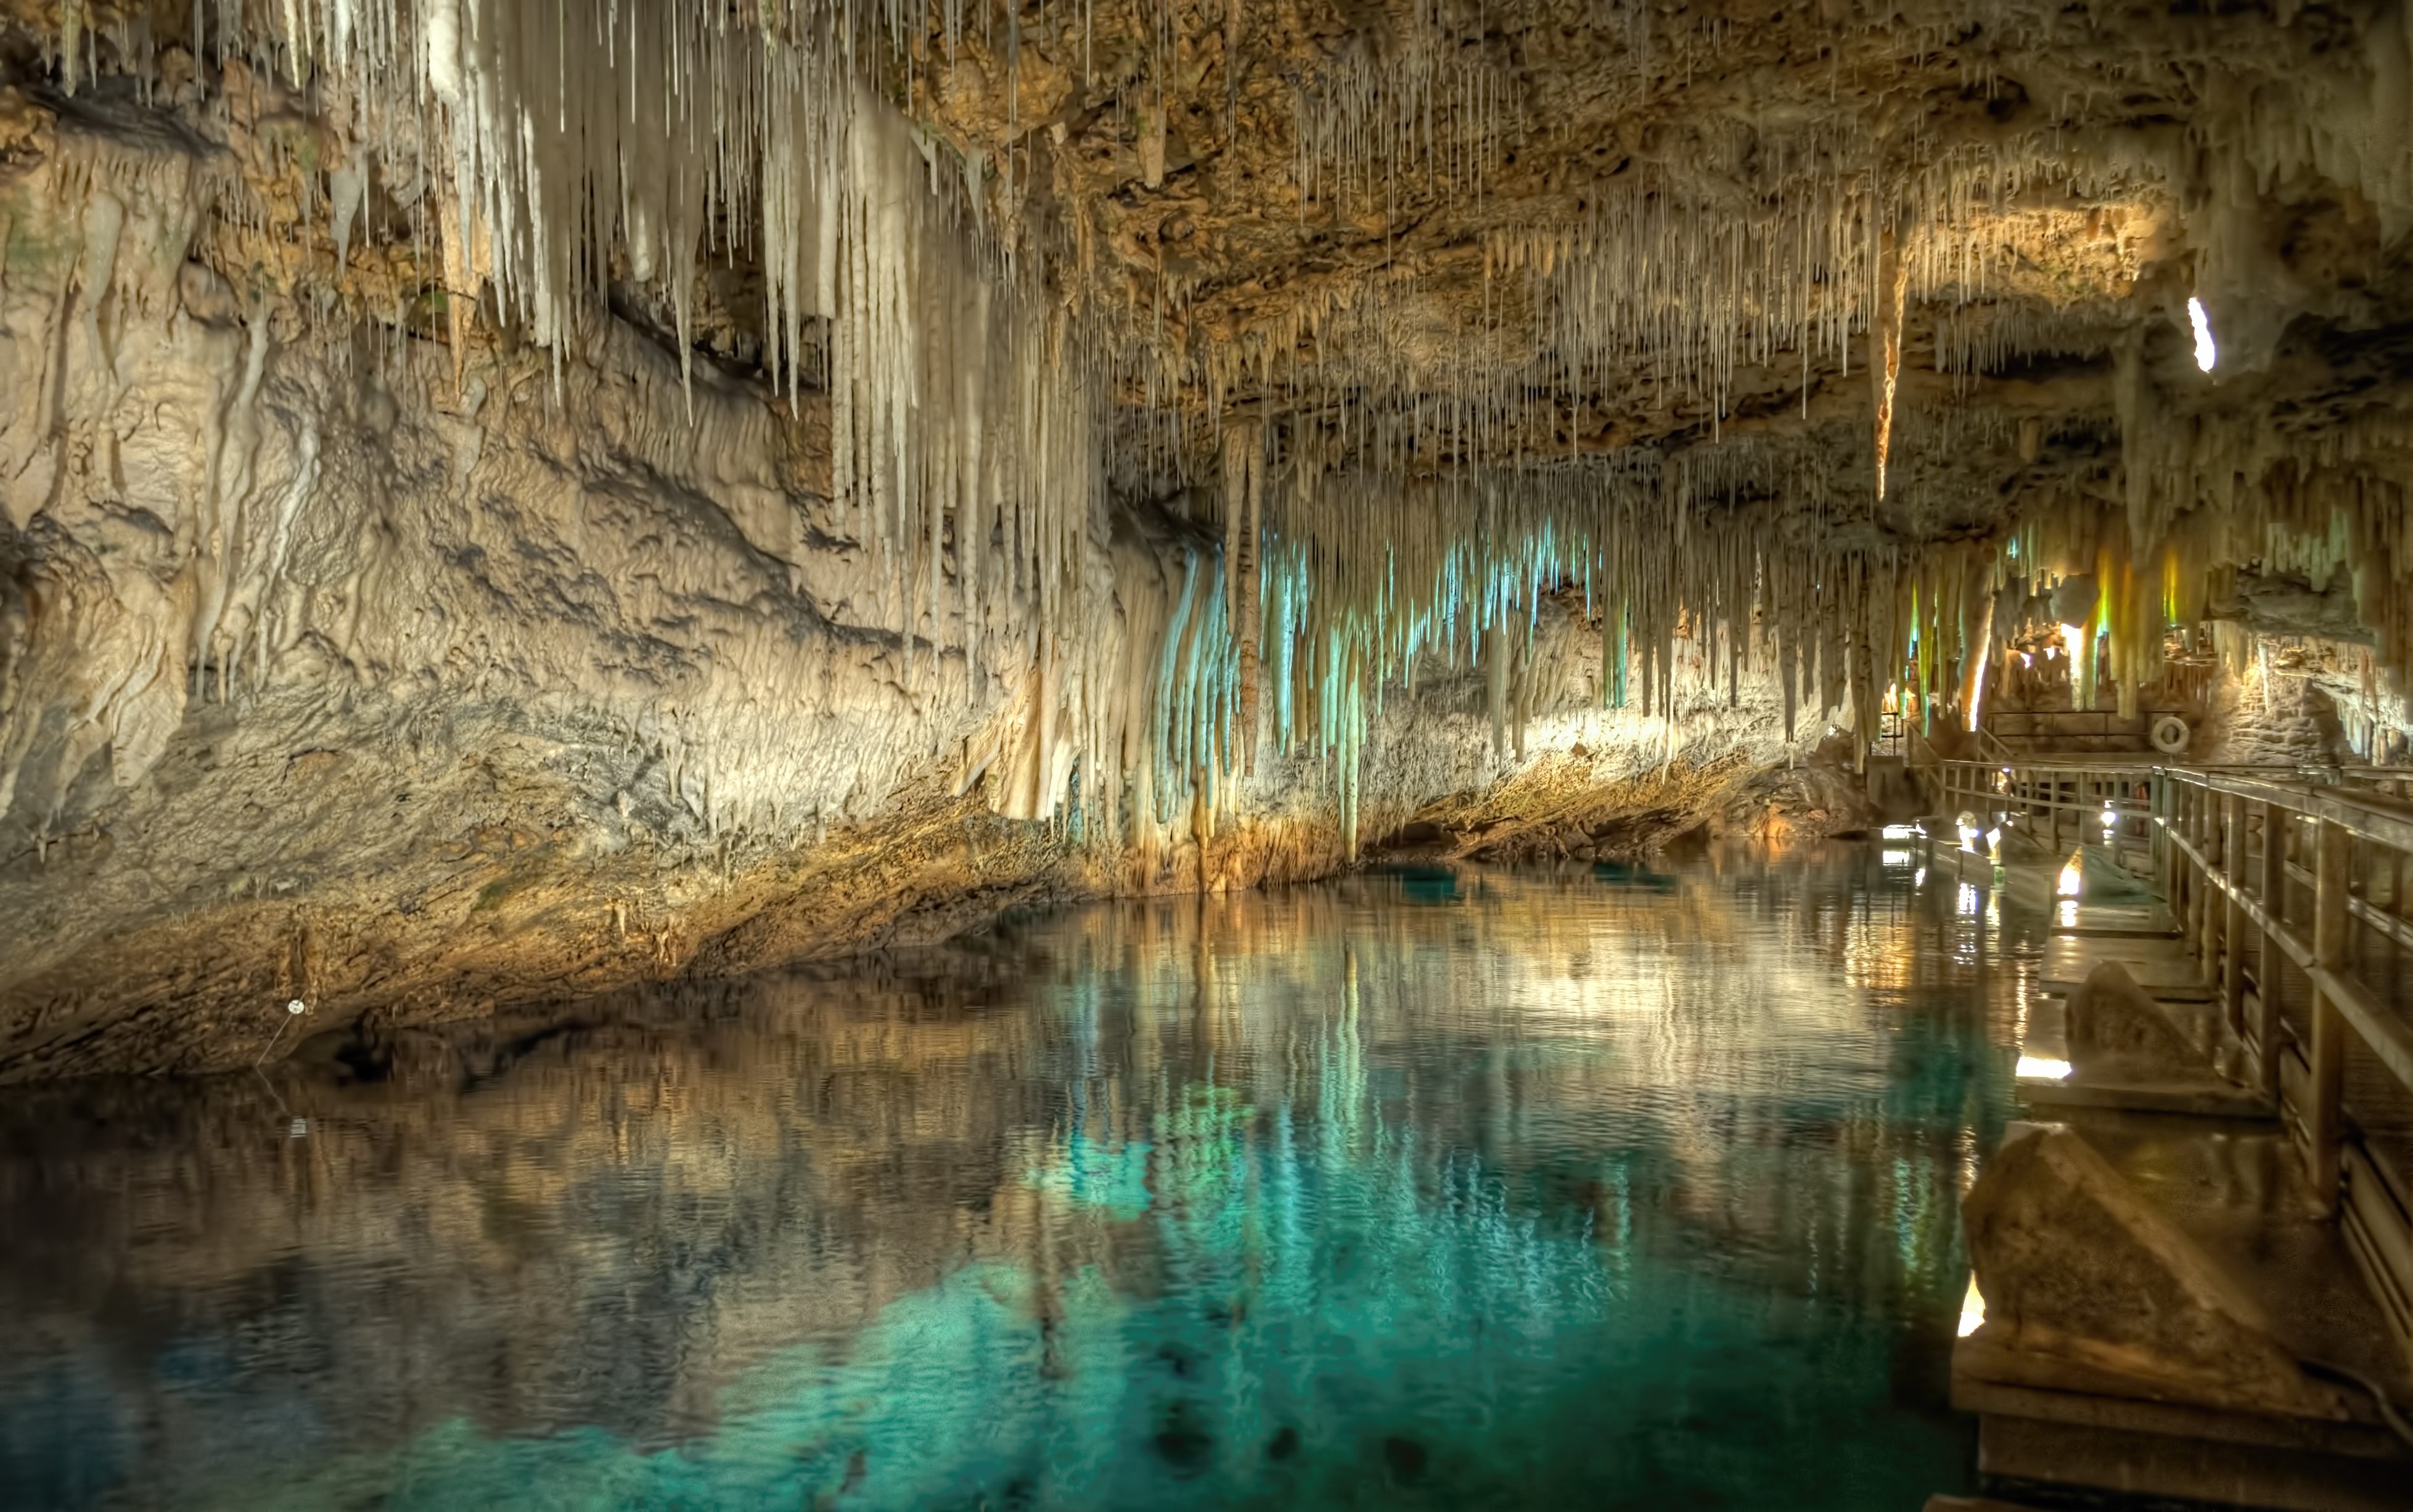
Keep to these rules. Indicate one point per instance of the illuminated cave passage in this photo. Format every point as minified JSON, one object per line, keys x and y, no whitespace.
{"x":1644,"y":755}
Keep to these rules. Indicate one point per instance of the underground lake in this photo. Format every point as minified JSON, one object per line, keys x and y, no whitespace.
{"x":1611,"y":1186}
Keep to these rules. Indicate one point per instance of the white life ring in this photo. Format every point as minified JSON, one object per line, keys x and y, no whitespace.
{"x":2170,"y":734}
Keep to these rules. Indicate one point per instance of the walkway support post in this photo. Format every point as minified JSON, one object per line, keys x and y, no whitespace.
{"x":2271,"y":969}
{"x":2214,"y":902}
{"x":2325,"y":1124}
{"x":2233,"y":919}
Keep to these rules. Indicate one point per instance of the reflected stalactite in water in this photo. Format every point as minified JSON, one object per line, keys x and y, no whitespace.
{"x":1099,"y":1206}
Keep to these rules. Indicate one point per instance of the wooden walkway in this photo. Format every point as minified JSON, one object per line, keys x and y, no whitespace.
{"x":2267,"y":925}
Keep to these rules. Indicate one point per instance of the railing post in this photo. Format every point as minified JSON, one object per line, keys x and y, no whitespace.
{"x":2175,"y":827}
{"x":2215,"y":900}
{"x":2190,"y":831}
{"x":2326,"y":1123}
{"x":2106,"y":790}
{"x":2192,"y":923}
{"x":2273,"y":969}
{"x":2158,"y":828}
{"x":2233,"y":919}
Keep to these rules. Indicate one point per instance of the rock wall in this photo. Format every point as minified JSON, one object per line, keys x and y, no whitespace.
{"x":2303,"y":703}
{"x":344,"y":663}
{"x":341,"y":665}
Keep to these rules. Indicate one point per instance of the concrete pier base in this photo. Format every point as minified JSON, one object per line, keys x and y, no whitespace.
{"x":2166,"y":1317}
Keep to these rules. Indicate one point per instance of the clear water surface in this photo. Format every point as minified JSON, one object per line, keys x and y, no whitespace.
{"x":1604,"y":1188}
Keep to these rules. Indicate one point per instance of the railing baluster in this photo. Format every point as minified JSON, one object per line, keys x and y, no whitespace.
{"x":2272,"y":972}
{"x":2233,"y":919}
{"x":2325,"y":1122}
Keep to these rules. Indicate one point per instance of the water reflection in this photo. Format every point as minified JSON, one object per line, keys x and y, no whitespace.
{"x":1472,"y":1190}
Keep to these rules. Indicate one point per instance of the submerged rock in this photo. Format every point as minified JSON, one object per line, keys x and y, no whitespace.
{"x":2076,"y":1265}
{"x":2115,"y":1026}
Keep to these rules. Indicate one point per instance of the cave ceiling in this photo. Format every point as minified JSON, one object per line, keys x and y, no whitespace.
{"x":1847,"y":278}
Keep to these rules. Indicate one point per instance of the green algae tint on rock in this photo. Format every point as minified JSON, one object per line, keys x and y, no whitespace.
{"x":1540,"y":1190}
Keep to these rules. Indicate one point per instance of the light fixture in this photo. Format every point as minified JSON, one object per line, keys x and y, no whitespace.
{"x":2073,"y":876}
{"x":2042,"y":1068}
{"x":2206,"y":353}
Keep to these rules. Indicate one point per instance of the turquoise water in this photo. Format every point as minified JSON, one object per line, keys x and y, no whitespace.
{"x":1613,"y":1188}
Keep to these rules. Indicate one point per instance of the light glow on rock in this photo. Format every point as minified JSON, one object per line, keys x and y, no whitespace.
{"x":2206,"y":351}
{"x":1973,"y":1309}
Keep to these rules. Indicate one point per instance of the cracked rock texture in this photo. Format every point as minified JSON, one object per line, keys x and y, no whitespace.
{"x":327,"y":672}
{"x":419,"y":595}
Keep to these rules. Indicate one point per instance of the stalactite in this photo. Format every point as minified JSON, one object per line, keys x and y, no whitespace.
{"x":1388,"y":494}
{"x":1885,"y":343}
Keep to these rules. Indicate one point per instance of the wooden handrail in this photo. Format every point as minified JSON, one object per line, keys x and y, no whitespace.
{"x":2368,"y":819}
{"x":2390,"y":1036}
{"x":2221,"y":885}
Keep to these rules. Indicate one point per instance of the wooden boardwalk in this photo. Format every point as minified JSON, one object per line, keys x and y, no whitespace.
{"x":2264,"y":1146}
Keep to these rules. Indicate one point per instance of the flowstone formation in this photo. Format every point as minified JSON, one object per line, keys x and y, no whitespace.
{"x":503,"y":500}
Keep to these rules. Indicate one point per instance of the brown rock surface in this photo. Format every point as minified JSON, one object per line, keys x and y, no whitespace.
{"x":495,"y":514}
{"x":2114,"y":1026}
{"x":2074,"y":1265}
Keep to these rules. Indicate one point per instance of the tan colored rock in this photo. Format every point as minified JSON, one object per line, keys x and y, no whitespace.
{"x":2075,"y":1265}
{"x":2115,"y":1024}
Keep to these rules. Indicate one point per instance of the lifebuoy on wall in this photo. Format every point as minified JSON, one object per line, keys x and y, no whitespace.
{"x":2169,"y":734}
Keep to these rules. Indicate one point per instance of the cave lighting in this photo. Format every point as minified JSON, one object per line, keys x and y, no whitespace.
{"x":2042,"y":1068}
{"x":1973,"y":1309}
{"x":2206,"y":353}
{"x":2073,"y":875}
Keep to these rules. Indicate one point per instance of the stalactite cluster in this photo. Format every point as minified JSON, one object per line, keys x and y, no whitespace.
{"x":1146,"y":398}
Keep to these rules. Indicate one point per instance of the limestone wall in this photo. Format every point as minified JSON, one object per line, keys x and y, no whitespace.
{"x":407,"y":678}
